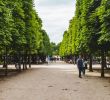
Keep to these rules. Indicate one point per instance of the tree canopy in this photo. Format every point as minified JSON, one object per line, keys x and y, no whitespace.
{"x":21,"y":30}
{"x":89,"y":30}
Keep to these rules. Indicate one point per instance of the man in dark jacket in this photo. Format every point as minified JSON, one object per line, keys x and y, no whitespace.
{"x":80,"y":66}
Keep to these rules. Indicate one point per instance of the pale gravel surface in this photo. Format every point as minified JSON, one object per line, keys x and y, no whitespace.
{"x":54,"y":82}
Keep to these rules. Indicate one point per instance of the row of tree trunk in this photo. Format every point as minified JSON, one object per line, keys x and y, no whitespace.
{"x":21,"y":61}
{"x":103,"y":61}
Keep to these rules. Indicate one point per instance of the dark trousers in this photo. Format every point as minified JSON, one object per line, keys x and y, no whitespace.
{"x":81,"y":70}
{"x":84,"y":70}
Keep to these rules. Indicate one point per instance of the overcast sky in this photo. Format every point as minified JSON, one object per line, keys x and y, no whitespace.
{"x":55,"y":15}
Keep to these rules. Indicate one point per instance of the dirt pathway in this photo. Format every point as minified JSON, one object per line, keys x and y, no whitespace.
{"x":54,"y":82}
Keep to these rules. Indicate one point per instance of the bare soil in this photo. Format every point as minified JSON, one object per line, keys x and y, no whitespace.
{"x":56,"y":81}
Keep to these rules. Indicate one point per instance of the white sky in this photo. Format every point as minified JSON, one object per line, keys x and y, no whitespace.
{"x":55,"y":15}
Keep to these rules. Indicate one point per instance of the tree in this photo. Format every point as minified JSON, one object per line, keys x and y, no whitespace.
{"x":6,"y":23}
{"x":88,"y":32}
{"x":21,"y":33}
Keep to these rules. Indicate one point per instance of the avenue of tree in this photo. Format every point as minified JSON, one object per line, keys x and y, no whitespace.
{"x":22,"y":39}
{"x":89,"y":32}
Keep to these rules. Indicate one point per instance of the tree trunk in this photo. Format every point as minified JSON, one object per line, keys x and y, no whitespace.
{"x":74,"y":59}
{"x":29,"y":58}
{"x":90,"y":64}
{"x":25,"y":60}
{"x":19,"y":56}
{"x":37,"y":59}
{"x":5,"y":62}
{"x":103,"y":63}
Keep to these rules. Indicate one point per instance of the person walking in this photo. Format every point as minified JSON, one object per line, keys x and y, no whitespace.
{"x":84,"y":66}
{"x":80,"y":66}
{"x":47,"y":59}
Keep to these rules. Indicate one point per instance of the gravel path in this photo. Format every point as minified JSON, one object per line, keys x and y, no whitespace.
{"x":54,"y":82}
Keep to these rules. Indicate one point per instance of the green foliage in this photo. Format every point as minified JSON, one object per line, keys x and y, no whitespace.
{"x":6,"y":23}
{"x":45,"y":47}
{"x":89,"y":29}
{"x":104,"y":15}
{"x":21,"y":28}
{"x":55,"y":48}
